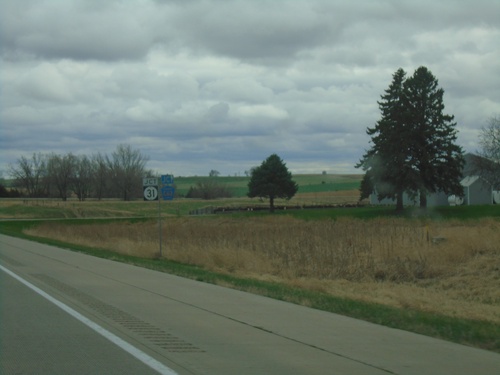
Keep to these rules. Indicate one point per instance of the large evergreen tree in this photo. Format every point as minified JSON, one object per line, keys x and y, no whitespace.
{"x":387,"y":172}
{"x":272,"y":180}
{"x":433,"y":153}
{"x":413,"y":144}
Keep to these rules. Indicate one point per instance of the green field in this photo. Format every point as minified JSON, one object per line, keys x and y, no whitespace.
{"x":72,"y":209}
{"x":313,"y":183}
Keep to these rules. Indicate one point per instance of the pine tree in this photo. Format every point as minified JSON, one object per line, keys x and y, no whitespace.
{"x":387,"y":172}
{"x":433,"y":153}
{"x":272,"y":180}
{"x":414,"y":148}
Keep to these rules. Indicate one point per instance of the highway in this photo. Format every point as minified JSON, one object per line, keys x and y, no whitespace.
{"x":64,"y":312}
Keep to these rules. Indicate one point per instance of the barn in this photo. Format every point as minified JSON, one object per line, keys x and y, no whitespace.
{"x":477,"y":191}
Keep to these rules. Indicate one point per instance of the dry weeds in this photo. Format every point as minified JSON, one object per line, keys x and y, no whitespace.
{"x":390,"y":261}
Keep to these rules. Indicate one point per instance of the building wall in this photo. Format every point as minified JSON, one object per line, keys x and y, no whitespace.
{"x":496,"y":196}
{"x":478,"y":193}
{"x":435,"y":199}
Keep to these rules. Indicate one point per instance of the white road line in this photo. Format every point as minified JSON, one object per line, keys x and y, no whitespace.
{"x":140,"y":355}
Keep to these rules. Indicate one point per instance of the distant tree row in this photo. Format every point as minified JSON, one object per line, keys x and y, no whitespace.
{"x":118,"y":175}
{"x":209,"y":189}
{"x":8,"y":193}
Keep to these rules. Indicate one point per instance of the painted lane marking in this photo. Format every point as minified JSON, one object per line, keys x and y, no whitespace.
{"x":137,"y":353}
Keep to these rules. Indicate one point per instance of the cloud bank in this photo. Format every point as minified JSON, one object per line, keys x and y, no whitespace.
{"x":212,"y":84}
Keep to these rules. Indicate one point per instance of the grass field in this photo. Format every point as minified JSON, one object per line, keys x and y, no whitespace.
{"x":436,"y":273}
{"x":313,"y":190}
{"x":307,"y":183}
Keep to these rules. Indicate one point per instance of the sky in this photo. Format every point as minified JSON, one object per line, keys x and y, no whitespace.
{"x":221,"y":84}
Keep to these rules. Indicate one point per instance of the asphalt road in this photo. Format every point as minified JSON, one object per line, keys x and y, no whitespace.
{"x":63,"y":312}
{"x":37,"y":337}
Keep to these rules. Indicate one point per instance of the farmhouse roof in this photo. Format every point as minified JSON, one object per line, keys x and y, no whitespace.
{"x":469,"y":180}
{"x":473,"y":162}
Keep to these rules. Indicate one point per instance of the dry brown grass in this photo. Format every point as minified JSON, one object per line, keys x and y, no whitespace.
{"x":389,"y":261}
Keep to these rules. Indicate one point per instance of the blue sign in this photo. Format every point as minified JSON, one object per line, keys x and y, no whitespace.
{"x":167,"y":179}
{"x":167,"y":193}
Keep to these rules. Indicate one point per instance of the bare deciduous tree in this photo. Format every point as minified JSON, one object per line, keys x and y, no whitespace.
{"x":61,"y":170}
{"x":127,"y":167}
{"x":82,"y":178}
{"x":489,"y":140}
{"x":100,"y":175}
{"x":30,"y":174}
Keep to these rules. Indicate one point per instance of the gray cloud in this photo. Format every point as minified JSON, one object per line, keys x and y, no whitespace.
{"x":81,"y":30}
{"x":255,"y":31}
{"x":198,"y":85}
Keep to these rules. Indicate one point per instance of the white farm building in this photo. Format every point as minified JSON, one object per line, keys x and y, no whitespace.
{"x":477,"y":191}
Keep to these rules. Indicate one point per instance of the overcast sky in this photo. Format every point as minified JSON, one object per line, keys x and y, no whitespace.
{"x":202,"y":85}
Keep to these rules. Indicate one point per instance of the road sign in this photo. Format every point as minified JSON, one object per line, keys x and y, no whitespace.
{"x":149,"y":181}
{"x":167,"y":179}
{"x":150,"y":193}
{"x":167,"y":193}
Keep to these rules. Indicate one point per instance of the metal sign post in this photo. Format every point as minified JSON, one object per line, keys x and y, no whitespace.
{"x":150,"y":189}
{"x":159,"y":227}
{"x":167,"y":193}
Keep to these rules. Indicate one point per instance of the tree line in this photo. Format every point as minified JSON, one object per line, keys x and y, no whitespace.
{"x":120,"y":176}
{"x":98,"y":176}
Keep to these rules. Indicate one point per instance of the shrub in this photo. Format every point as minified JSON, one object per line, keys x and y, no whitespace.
{"x":208,"y":189}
